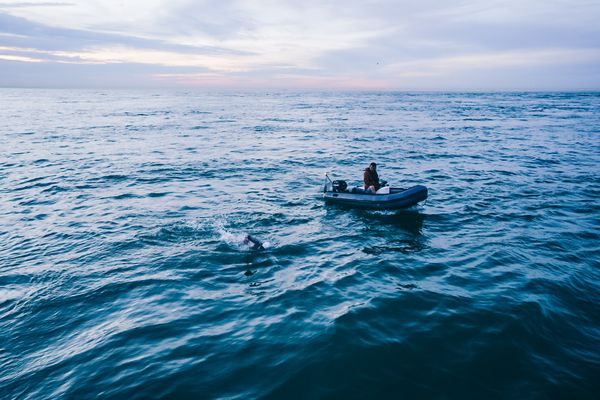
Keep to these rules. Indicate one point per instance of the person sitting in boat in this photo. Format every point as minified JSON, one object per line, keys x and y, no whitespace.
{"x":371,"y":179}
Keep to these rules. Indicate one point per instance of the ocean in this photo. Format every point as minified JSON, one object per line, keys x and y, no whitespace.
{"x":123,"y":273}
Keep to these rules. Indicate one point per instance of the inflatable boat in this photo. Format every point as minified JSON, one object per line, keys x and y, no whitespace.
{"x":387,"y":198}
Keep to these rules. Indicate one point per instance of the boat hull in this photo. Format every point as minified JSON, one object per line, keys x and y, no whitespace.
{"x":397,"y":199}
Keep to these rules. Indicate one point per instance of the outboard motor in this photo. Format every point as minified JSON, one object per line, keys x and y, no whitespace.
{"x":339,"y":186}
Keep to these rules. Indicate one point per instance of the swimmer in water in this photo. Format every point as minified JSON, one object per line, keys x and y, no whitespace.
{"x":253,"y":243}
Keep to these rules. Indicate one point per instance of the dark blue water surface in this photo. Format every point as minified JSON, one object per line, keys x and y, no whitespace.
{"x":123,"y":275}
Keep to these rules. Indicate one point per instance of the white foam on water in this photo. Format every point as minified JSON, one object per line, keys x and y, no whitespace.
{"x":232,"y":239}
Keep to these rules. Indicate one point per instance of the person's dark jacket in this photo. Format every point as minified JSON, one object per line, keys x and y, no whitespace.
{"x":371,"y":178}
{"x":256,"y":244}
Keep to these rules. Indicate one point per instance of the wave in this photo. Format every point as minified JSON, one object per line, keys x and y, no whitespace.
{"x":123,"y":269}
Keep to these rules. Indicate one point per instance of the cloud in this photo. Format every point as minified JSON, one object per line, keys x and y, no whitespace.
{"x":17,"y":73}
{"x":494,"y":61}
{"x":31,"y":4}
{"x":381,"y":44}
{"x":204,"y":18}
{"x":20,"y":32}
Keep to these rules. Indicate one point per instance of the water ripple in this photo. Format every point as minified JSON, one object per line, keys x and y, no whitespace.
{"x":123,"y":271}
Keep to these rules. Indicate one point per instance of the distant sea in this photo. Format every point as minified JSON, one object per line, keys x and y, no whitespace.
{"x":123,"y":274}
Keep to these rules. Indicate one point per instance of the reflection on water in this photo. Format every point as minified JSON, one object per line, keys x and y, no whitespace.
{"x":409,"y":246}
{"x":410,"y":221}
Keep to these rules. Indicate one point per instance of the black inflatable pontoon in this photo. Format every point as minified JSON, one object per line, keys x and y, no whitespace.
{"x":356,"y":197}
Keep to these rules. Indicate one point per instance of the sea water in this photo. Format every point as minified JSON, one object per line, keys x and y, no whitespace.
{"x":123,"y":272}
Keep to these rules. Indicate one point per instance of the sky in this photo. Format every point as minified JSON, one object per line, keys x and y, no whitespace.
{"x":308,"y":44}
